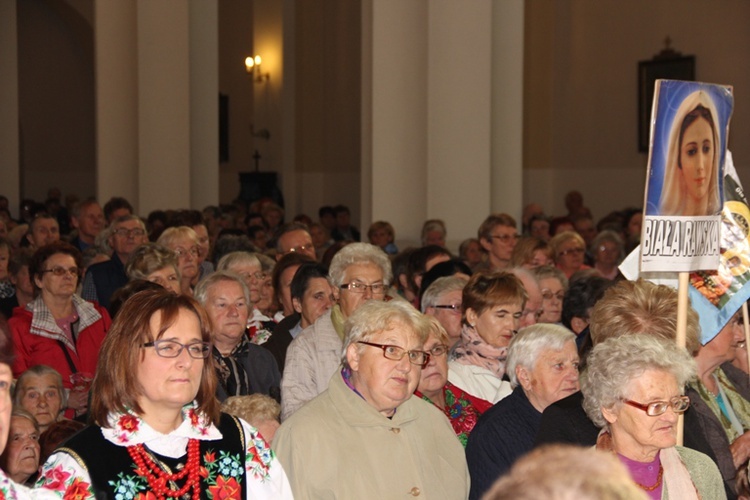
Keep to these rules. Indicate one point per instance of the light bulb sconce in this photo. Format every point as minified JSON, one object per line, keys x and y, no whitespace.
{"x":253,"y":68}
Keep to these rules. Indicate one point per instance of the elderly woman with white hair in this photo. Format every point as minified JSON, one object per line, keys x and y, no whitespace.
{"x":633,"y":388}
{"x":359,"y":272}
{"x":542,"y":365}
{"x":367,"y":435}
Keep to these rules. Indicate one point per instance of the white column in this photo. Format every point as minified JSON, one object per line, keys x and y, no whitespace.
{"x":427,"y":95}
{"x":10,"y":181}
{"x":163,"y":104}
{"x":394,"y":113}
{"x":116,"y":81}
{"x":507,"y":107}
{"x":204,"y":103}
{"x":459,"y":102}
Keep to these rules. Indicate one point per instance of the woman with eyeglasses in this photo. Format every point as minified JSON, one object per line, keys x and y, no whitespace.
{"x":156,"y":429}
{"x":553,"y":285}
{"x":368,"y":435}
{"x":183,"y":241}
{"x":568,"y":252}
{"x":462,"y":409}
{"x":359,"y":273}
{"x":58,"y":328}
{"x":543,"y":368}
{"x":633,"y":388}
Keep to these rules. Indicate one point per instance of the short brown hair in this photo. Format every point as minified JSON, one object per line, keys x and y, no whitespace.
{"x":47,"y":251}
{"x":523,"y":252}
{"x":484,"y":291}
{"x":492,"y":221}
{"x":632,"y":307}
{"x":115,"y":388}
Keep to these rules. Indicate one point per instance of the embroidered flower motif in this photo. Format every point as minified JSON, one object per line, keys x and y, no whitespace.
{"x":128,"y":486}
{"x":149,"y":495}
{"x":55,"y":478}
{"x":129,"y":423}
{"x":259,"y":457}
{"x":193,"y":415}
{"x":209,"y":457}
{"x":78,"y":490}
{"x":224,"y":489}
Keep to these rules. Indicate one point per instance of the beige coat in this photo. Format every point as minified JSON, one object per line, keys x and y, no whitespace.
{"x":311,"y":359}
{"x":339,"y":447}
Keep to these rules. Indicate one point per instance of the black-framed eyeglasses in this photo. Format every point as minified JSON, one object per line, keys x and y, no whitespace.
{"x":62,"y":271}
{"x":396,"y":353}
{"x":129,"y":233}
{"x":438,"y":350}
{"x":571,"y":251}
{"x":678,"y":404}
{"x":454,"y":307}
{"x":172,"y":349}
{"x":375,"y":288}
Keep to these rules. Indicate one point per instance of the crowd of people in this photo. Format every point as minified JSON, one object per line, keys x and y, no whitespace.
{"x":230,"y":353}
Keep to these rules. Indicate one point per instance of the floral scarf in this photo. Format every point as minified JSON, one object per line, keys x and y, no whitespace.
{"x":462,"y":409}
{"x":471,"y":349}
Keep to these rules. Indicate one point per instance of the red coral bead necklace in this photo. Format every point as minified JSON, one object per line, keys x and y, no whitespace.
{"x":158,"y":479}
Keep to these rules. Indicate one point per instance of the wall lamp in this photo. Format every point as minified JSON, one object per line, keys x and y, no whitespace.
{"x":252,"y":66}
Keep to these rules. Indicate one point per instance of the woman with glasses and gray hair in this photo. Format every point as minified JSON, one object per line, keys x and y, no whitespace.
{"x":156,"y":420}
{"x":543,"y":368}
{"x":359,"y":272}
{"x":184,"y":242}
{"x":633,"y":389}
{"x":367,"y":435}
{"x":461,"y":408}
{"x":58,"y":328}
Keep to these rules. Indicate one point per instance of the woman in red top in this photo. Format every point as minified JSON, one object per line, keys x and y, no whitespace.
{"x":462,"y":409}
{"x":58,"y":328}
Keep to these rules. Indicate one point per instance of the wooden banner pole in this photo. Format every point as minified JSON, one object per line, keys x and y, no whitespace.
{"x":682,"y":305}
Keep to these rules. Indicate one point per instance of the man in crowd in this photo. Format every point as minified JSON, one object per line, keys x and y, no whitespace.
{"x":102,"y":280}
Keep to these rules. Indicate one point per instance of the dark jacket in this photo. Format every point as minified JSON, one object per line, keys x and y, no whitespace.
{"x":504,"y":433}
{"x":107,"y":277}
{"x":262,"y":373}
{"x":281,"y":338}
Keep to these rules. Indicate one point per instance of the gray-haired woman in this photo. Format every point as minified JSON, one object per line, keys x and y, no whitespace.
{"x":542,"y":365}
{"x":155,"y":263}
{"x":634,"y":389}
{"x":367,"y":435}
{"x":359,"y":272}
{"x":40,"y":391}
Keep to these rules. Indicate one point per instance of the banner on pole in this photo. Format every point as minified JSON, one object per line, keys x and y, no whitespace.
{"x":684,"y":188}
